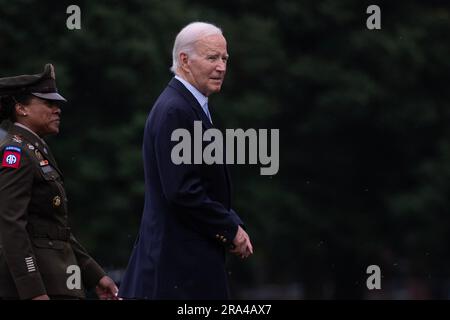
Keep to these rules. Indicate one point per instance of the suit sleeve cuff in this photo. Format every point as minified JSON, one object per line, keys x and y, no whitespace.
{"x":226,"y":237}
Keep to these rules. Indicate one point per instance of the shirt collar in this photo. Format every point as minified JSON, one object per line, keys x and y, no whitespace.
{"x":202,"y":100}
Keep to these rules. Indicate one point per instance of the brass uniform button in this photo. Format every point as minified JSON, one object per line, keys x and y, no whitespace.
{"x":217,"y":236}
{"x":224,"y":240}
{"x":56,"y":201}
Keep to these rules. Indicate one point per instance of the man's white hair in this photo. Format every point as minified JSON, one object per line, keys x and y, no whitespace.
{"x":187,"y":37}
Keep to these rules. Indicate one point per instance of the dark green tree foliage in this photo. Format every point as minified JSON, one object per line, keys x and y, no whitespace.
{"x":363,"y":118}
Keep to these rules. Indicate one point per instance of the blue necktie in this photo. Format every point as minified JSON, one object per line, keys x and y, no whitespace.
{"x":207,"y":112}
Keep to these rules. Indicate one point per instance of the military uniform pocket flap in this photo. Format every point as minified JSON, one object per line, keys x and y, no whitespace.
{"x":48,"y":243}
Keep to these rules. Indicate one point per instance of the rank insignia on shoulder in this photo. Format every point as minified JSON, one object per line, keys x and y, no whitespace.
{"x":30,"y":146}
{"x":17,"y":139}
{"x":11,"y":157}
{"x":43,"y":163}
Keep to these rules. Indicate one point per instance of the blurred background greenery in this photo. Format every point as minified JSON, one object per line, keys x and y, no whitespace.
{"x":364,"y":138}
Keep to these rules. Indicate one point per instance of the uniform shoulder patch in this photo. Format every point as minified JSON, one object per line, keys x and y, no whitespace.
{"x":11,"y":157}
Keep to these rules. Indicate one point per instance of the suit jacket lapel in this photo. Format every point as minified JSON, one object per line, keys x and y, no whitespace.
{"x":177,"y":85}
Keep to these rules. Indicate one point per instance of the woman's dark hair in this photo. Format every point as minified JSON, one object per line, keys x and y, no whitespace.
{"x":8,"y":103}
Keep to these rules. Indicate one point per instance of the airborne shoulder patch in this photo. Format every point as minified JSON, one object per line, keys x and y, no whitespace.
{"x":11,"y":157}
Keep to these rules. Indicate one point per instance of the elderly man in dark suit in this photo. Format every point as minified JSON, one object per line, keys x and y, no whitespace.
{"x":188,"y":223}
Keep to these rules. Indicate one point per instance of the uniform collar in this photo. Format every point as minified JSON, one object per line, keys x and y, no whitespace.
{"x":28,"y":129}
{"x":31,"y":138}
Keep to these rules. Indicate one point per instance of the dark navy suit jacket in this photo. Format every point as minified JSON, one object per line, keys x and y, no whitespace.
{"x":187,"y":223}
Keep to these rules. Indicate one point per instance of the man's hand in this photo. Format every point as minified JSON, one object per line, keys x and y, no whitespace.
{"x":41,"y":297}
{"x":243,"y":246}
{"x":106,"y":289}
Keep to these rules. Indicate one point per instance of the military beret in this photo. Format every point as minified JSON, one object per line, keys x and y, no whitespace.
{"x":42,"y":85}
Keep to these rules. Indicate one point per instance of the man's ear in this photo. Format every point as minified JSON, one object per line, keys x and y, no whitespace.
{"x":184,"y":62}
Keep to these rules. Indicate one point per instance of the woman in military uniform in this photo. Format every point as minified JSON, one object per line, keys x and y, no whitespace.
{"x":39,"y":256}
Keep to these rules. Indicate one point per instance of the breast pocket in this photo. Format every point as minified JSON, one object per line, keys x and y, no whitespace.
{"x":58,"y":195}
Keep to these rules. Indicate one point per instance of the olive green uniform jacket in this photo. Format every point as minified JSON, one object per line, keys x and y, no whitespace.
{"x":38,"y":252}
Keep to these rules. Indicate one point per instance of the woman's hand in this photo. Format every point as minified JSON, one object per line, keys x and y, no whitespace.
{"x":106,"y":289}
